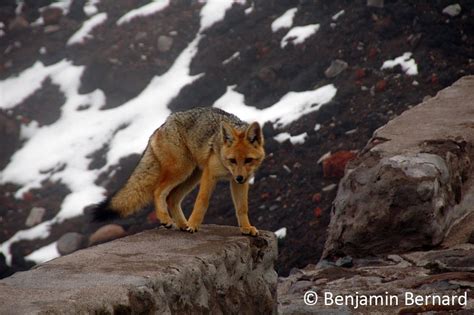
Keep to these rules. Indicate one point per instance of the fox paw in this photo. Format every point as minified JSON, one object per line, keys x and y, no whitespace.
{"x":167,"y":225}
{"x":192,"y":229}
{"x":250,"y":230}
{"x":183,"y":226}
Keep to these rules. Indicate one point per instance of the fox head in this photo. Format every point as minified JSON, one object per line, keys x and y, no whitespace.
{"x":242,"y":151}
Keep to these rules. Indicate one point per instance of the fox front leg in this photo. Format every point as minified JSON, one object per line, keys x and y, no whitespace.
{"x":206,"y":187}
{"x":240,"y":198}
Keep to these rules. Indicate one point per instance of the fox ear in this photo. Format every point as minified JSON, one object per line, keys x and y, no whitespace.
{"x":227,"y":133}
{"x":254,"y":134}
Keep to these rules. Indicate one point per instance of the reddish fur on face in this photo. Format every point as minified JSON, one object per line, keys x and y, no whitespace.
{"x":247,"y":154}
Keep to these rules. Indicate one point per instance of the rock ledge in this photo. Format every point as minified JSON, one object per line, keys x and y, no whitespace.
{"x":158,"y":271}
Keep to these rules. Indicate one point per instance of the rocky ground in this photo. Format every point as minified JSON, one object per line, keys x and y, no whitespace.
{"x":291,"y":189}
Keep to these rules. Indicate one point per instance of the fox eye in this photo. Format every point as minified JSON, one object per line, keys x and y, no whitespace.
{"x":233,"y":161}
{"x":248,"y":160}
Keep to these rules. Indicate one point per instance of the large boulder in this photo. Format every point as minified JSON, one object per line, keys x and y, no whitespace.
{"x":412,"y":183}
{"x":160,"y":271}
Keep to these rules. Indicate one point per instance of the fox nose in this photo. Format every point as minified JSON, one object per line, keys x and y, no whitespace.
{"x":239,"y":179}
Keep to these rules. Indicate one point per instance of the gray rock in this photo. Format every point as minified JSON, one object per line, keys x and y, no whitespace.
{"x":345,"y":261}
{"x":70,"y":242}
{"x":35,"y":217}
{"x":336,"y":67}
{"x":405,"y":192}
{"x":160,"y":271}
{"x":165,"y":43}
{"x":452,"y":10}
{"x":393,"y":275}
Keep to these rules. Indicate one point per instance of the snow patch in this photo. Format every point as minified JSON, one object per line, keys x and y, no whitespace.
{"x":281,"y":233}
{"x":289,"y":108}
{"x":234,"y":56}
{"x":29,"y":80}
{"x":214,"y":11}
{"x":44,"y":254}
{"x":298,"y":139}
{"x":407,"y":63}
{"x":337,"y":15}
{"x":64,"y":5}
{"x":285,"y":20}
{"x":83,"y":33}
{"x":148,"y":9}
{"x":90,"y":7}
{"x":299,"y":34}
{"x":250,"y":9}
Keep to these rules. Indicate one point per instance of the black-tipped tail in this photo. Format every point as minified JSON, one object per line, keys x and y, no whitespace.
{"x":102,"y":212}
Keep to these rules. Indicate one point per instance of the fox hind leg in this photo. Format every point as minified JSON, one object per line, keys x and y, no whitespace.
{"x":177,"y":195}
{"x":172,"y":175}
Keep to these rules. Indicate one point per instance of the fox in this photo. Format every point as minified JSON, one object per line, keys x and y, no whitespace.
{"x":199,"y":146}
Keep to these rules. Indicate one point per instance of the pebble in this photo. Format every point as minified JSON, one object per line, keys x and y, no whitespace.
{"x":337,"y":66}
{"x":35,"y":217}
{"x":52,"y":16}
{"x":452,"y":10}
{"x":345,"y":262}
{"x":106,"y":233}
{"x":329,"y":187}
{"x":165,"y":43}
{"x":375,"y":3}
{"x":70,"y":242}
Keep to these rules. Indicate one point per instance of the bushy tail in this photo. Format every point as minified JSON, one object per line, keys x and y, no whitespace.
{"x":134,"y":195}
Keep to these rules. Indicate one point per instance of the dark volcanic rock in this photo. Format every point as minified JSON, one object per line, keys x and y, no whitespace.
{"x":9,"y":138}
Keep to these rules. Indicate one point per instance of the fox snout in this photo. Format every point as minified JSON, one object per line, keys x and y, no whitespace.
{"x":240,"y":179}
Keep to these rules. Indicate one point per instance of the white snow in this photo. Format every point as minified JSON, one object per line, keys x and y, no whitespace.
{"x":407,"y":63}
{"x":90,"y":7}
{"x":250,"y":9}
{"x":289,"y":108}
{"x":337,"y":15}
{"x":324,"y":157}
{"x":40,"y":231}
{"x":62,"y":4}
{"x":317,"y":127}
{"x":299,"y":34}
{"x":281,"y":233}
{"x":285,"y":20}
{"x":214,"y":11}
{"x":234,"y":56}
{"x":83,"y":33}
{"x":44,"y":254}
{"x":298,"y":139}
{"x":29,"y":80}
{"x":147,"y":9}
{"x":61,"y":152}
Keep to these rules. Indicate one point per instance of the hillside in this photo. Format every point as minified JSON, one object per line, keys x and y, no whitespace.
{"x":83,"y":87}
